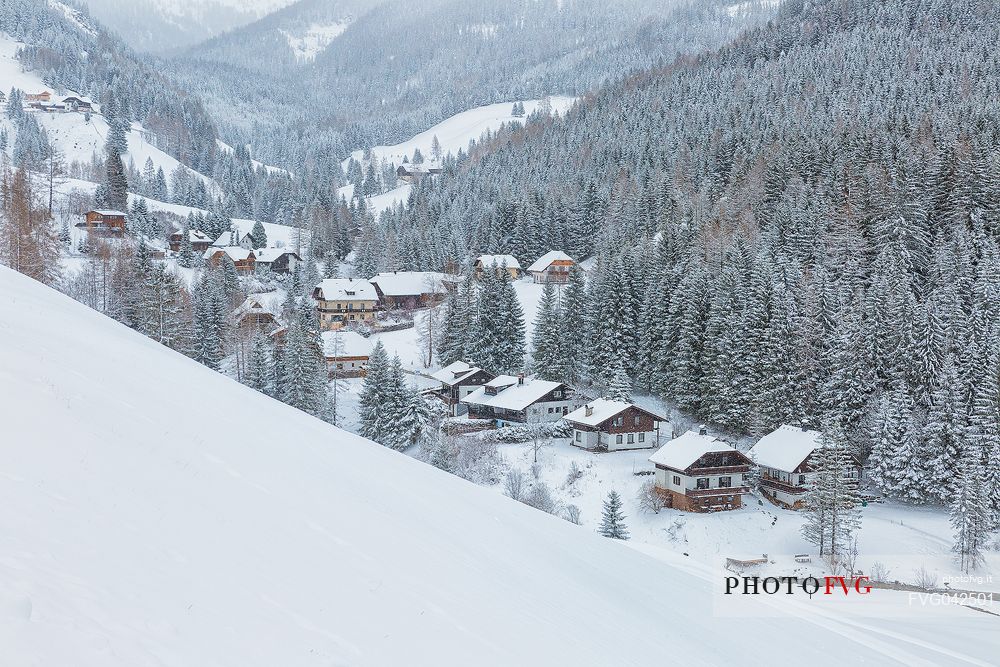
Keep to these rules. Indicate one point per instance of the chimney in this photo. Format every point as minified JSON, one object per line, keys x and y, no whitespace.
{"x":702,"y":430}
{"x":806,"y":425}
{"x":520,"y":378}
{"x":589,"y":410}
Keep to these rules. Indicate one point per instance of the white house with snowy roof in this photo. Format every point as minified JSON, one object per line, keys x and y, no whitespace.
{"x":785,"y":459}
{"x":520,"y":400}
{"x":552,"y":267}
{"x":608,"y":425}
{"x":345,"y":301}
{"x":698,"y":472}
{"x":495,"y":262}
{"x":346,"y":352}
{"x":458,"y":380}
{"x":278,"y":236}
{"x":278,"y":260}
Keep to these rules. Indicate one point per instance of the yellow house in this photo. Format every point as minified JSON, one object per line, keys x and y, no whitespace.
{"x":345,"y":301}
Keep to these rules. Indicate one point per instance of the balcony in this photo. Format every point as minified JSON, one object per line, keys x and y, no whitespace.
{"x":710,"y":493}
{"x":772,"y":483}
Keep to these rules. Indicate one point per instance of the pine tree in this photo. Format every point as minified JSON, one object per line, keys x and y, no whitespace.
{"x":547,"y":358}
{"x":372,"y":411}
{"x":573,"y":328}
{"x":970,"y":513}
{"x":613,"y":520}
{"x":258,"y":236}
{"x":832,"y":502}
{"x":260,"y":365}
{"x":617,"y":384}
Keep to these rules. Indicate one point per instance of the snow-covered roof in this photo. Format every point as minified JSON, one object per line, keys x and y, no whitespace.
{"x":682,"y":451}
{"x":545,"y":260}
{"x":108,"y":211}
{"x":78,"y":98}
{"x":339,"y":344}
{"x":785,"y":448}
{"x":601,"y":410}
{"x":498,"y":260}
{"x":198,"y":235}
{"x":264,"y":302}
{"x":510,"y":394}
{"x":235,"y":252}
{"x":410,"y":283}
{"x":455,"y":372}
{"x":278,"y":236}
{"x":347,"y":289}
{"x":267,"y":255}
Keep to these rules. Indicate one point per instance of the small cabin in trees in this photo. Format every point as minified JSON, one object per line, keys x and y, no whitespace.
{"x":200,"y":241}
{"x":104,"y":222}
{"x":346,"y":353}
{"x":496,"y":263}
{"x":697,"y":472}
{"x":552,"y":267}
{"x":509,"y":399}
{"x":606,"y":425}
{"x":245,"y":260}
{"x":278,"y":260}
{"x":411,"y":173}
{"x":260,"y":312}
{"x":458,"y":380}
{"x":345,"y":301}
{"x":406,"y":290}
{"x":785,"y":458}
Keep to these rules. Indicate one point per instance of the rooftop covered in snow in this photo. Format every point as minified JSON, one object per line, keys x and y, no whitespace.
{"x":410,"y":283}
{"x":511,"y":394}
{"x":498,"y":260}
{"x":455,"y":372}
{"x":343,"y":344}
{"x":785,"y":448}
{"x":681,"y":452}
{"x":347,"y":289}
{"x":546,"y":260}
{"x":598,"y":411}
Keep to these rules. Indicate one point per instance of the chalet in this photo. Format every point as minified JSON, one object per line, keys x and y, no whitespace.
{"x":785,"y":457}
{"x":410,"y":289}
{"x":234,"y":237}
{"x":260,"y":312}
{"x":699,"y":473}
{"x":278,"y":260}
{"x":346,"y":353}
{"x":552,"y":267}
{"x":44,"y":97}
{"x":345,"y":301}
{"x":496,"y":263}
{"x":245,"y":260}
{"x":200,"y":241}
{"x":458,"y":380}
{"x":77,"y":103}
{"x":520,"y":400}
{"x":606,"y":425}
{"x":104,"y":222}
{"x":411,"y":173}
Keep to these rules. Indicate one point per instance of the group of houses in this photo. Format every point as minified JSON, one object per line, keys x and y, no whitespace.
{"x":552,"y":267}
{"x":343,"y":302}
{"x":44,"y":101}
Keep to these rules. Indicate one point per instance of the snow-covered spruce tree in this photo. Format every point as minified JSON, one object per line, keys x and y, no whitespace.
{"x":613,"y":519}
{"x":971,"y":513}
{"x":616,"y":382}
{"x":457,"y":324}
{"x":372,"y":412}
{"x":944,"y":430}
{"x":893,"y":465}
{"x":258,"y":236}
{"x":302,"y":383}
{"x":186,"y":256}
{"x":260,"y":365}
{"x":114,"y":191}
{"x":547,"y":357}
{"x":573,"y":326}
{"x":210,"y":321}
{"x":832,"y":504}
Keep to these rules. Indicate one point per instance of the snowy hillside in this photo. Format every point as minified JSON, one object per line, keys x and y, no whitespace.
{"x":456,"y":132}
{"x":307,"y":43}
{"x":146,"y":534}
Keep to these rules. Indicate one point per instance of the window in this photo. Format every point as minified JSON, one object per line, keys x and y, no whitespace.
{"x":635,"y":420}
{"x":619,"y":421}
{"x":802,"y":479}
{"x":550,"y":411}
{"x":631,"y":438}
{"x":702,"y":482}
{"x":557,"y":393}
{"x":618,"y":440}
{"x":350,"y":306}
{"x":579,"y":436}
{"x":677,"y":480}
{"x":340,"y":366}
{"x":725,"y":482}
{"x":642,"y":437}
{"x":352,"y":316}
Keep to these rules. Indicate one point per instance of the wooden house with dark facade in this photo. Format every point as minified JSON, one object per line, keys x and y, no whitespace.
{"x":605,"y":426}
{"x":458,"y":380}
{"x":697,"y":472}
{"x":104,"y":222}
{"x":244,"y":260}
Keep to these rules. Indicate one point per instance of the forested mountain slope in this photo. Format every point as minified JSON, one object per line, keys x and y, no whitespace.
{"x":826,"y":194}
{"x":393,"y":68}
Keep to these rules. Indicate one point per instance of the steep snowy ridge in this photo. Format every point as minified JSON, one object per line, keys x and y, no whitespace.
{"x":160,"y":513}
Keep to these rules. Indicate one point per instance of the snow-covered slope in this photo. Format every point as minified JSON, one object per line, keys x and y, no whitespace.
{"x":157,"y":513}
{"x":457,"y":131}
{"x":307,"y":43}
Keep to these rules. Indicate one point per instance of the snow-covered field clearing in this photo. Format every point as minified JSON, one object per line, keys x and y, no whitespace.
{"x":456,"y":132}
{"x":314,"y":39}
{"x":138,"y":534}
